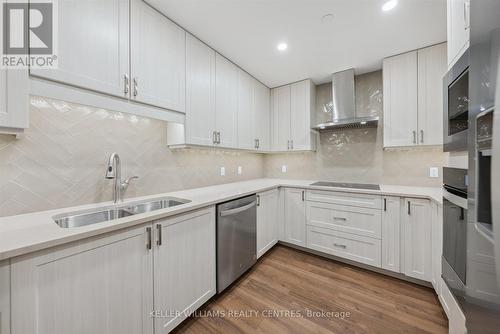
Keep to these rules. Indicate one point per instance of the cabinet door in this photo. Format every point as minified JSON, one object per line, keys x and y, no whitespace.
{"x":158,"y":59}
{"x":391,"y":213}
{"x":226,"y":90}
{"x":267,"y":221}
{"x":400,"y":100}
{"x":431,"y":69}
{"x":437,"y":245}
{"x":295,"y":216}
{"x":458,"y":28}
{"x":262,"y":115}
{"x":416,"y":219}
{"x":184,"y":266}
{"x":4,"y":297}
{"x":300,"y":116}
{"x":200,"y":92}
{"x":246,"y":115}
{"x":88,"y":57}
{"x":280,"y":122}
{"x":100,"y":286}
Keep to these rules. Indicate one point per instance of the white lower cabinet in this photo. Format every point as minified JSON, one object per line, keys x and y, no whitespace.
{"x":391,"y":236}
{"x":104,"y":285}
{"x":295,"y":216}
{"x":416,"y":224}
{"x":349,"y":246}
{"x":4,"y":297}
{"x":267,"y":220}
{"x":184,"y":266}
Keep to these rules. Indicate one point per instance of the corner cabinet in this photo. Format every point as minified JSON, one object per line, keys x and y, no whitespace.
{"x":267,"y":221}
{"x":106,"y":284}
{"x":417,"y":238}
{"x":292,"y":108}
{"x":295,"y":216}
{"x":413,"y":102}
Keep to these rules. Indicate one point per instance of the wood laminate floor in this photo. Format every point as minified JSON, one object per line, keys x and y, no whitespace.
{"x":287,"y":291}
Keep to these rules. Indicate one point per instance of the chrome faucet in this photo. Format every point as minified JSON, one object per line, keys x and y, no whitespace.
{"x":114,"y":171}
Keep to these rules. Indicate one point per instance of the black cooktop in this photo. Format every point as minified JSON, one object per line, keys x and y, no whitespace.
{"x":347,"y":185}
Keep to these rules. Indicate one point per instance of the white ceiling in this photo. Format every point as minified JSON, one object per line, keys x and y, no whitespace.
{"x":360,"y":35}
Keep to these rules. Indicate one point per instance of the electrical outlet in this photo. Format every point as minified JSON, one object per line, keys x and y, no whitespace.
{"x":283,"y":169}
{"x":240,"y":170}
{"x":223,"y":171}
{"x":434,"y":172}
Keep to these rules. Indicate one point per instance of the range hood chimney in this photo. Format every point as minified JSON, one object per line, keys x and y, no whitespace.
{"x":343,"y":106}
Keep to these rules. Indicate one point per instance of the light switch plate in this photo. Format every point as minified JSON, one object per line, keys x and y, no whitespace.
{"x":240,"y":170}
{"x":283,"y":169}
{"x":434,"y":172}
{"x":223,"y":171}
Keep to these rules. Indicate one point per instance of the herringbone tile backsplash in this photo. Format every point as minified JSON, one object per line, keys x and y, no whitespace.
{"x":61,"y":159}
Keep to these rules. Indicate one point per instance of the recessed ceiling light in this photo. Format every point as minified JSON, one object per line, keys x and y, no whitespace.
{"x":389,"y":5}
{"x":282,"y":46}
{"x":327,"y":18}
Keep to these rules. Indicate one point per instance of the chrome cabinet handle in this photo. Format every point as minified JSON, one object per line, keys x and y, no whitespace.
{"x":421,"y":136}
{"x":414,"y":137}
{"x":466,"y":19}
{"x":291,"y":144}
{"x":258,"y":200}
{"x":409,"y":208}
{"x":341,"y":246}
{"x":218,"y":137}
{"x":340,"y":218}
{"x":148,"y":238}
{"x":126,"y":84}
{"x":158,"y":229}
{"x":136,"y":89}
{"x":385,"y":204}
{"x":288,"y":145}
{"x":303,"y":195}
{"x":214,"y":137}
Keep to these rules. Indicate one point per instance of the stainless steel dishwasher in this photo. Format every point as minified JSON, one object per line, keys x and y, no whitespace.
{"x":236,"y":239}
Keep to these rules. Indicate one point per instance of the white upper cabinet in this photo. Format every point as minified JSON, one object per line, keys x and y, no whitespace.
{"x":246,"y":111}
{"x":431,"y":69}
{"x":200,"y":93}
{"x":158,"y":56}
{"x":302,"y":97}
{"x":413,"y":102}
{"x":226,"y":101}
{"x":88,"y":57}
{"x":458,"y":28}
{"x":14,"y":96}
{"x":292,"y":107}
{"x":262,"y":116}
{"x":280,"y":120}
{"x":400,"y":100}
{"x":416,"y":224}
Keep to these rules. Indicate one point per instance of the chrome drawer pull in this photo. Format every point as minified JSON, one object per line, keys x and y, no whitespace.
{"x":340,"y":218}
{"x":340,"y":246}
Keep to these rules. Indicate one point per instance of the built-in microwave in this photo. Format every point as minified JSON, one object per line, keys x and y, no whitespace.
{"x":456,"y":105}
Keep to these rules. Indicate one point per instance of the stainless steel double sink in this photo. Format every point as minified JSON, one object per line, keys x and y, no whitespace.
{"x":89,"y":217}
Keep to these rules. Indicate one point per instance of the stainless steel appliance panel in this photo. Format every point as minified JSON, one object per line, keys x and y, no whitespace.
{"x":236,"y":239}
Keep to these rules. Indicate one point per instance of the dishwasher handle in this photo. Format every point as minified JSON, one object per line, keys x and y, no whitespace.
{"x":237,"y":210}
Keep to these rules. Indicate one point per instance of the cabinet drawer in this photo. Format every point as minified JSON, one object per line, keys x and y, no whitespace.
{"x":353,"y":247}
{"x":341,"y":198}
{"x":360,"y":221}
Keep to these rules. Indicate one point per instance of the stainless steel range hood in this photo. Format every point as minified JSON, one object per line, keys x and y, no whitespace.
{"x":343,"y":107}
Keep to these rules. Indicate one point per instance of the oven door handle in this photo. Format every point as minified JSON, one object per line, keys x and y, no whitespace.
{"x":457,"y":200}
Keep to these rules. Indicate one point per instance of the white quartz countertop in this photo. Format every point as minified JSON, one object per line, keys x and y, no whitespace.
{"x":31,"y":232}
